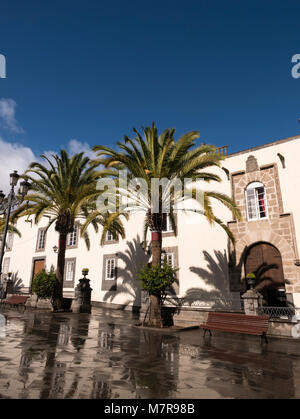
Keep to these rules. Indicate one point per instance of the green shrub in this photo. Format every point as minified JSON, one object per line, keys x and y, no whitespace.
{"x":155,"y":279}
{"x":45,"y":284}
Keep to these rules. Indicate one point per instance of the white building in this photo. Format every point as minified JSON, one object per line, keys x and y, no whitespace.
{"x":265,"y":183}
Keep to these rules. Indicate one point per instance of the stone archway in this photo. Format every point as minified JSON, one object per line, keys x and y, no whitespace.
{"x":264,"y":260}
{"x":277,"y":229}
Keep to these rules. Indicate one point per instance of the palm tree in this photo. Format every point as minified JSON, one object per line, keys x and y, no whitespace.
{"x":154,"y":156}
{"x":65,"y":190}
{"x":11,"y":228}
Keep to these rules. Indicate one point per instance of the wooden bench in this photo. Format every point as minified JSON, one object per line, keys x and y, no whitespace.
{"x":15,"y":300}
{"x":236,"y":323}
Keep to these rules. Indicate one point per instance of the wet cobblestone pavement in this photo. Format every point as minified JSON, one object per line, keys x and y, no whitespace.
{"x":104,"y":355}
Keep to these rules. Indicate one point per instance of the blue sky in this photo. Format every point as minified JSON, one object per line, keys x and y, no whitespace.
{"x":90,"y":71}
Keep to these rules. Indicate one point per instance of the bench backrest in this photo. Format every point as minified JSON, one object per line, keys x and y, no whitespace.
{"x":17,"y":299}
{"x":235,"y":319}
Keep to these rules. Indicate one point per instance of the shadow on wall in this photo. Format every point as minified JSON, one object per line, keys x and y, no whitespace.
{"x":268,"y":286}
{"x":17,"y":284}
{"x":216,"y":276}
{"x":134,"y":258}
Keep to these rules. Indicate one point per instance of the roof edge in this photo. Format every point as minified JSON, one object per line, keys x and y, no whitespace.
{"x":285,"y":140}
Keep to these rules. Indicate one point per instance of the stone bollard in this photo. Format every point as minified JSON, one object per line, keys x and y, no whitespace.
{"x":252,"y":302}
{"x":9,"y":286}
{"x":82,"y":300}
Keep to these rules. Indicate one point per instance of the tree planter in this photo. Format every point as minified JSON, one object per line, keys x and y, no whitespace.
{"x":39,"y":303}
{"x":44,"y":304}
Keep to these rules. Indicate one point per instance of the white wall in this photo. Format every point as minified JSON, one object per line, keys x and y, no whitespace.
{"x":202,"y":248}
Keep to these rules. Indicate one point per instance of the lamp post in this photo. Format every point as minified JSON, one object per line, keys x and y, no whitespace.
{"x":5,"y":207}
{"x":250,"y":278}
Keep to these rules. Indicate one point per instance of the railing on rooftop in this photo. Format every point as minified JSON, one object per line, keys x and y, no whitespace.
{"x":221,"y":150}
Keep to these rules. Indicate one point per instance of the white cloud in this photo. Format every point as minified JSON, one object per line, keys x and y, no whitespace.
{"x":13,"y":156}
{"x":7,"y":116}
{"x":75,"y":146}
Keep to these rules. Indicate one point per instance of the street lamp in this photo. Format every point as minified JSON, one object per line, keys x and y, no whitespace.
{"x":6,"y":205}
{"x":251,"y":280}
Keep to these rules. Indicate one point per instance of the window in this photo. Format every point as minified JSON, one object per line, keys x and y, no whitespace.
{"x":5,"y":269}
{"x":9,"y":240}
{"x":109,"y":272}
{"x":41,"y":241}
{"x":109,"y":236}
{"x":69,"y":273}
{"x":110,"y":269}
{"x":167,"y":226}
{"x":70,"y":270}
{"x":168,"y":257}
{"x":72,"y":237}
{"x":256,"y":201}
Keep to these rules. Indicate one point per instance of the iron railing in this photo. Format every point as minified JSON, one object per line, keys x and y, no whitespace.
{"x":284,"y":313}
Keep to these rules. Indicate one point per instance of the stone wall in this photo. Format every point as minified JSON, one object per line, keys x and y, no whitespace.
{"x":188,"y":316}
{"x":278,"y":229}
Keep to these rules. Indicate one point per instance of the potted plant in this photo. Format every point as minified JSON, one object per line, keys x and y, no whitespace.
{"x":44,"y":285}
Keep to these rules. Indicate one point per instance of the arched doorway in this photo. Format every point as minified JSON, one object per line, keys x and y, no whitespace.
{"x":264,"y":260}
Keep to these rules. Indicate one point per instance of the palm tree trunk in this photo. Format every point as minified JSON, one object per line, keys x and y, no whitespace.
{"x":155,"y":318}
{"x":60,"y":270}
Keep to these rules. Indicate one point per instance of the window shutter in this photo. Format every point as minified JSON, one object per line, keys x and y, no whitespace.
{"x":251,"y":204}
{"x":6,"y":265}
{"x":110,"y":269}
{"x":70,"y":271}
{"x":72,"y":237}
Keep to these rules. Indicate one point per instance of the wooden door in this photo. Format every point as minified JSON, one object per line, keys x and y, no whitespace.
{"x":265,"y":261}
{"x":39,"y":265}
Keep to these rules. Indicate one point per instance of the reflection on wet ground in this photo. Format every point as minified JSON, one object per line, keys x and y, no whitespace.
{"x":104,"y":355}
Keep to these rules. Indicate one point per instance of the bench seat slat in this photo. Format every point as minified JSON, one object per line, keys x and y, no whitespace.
{"x":237,"y":325}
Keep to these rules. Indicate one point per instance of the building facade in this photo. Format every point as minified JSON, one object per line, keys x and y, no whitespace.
{"x":265,"y":183}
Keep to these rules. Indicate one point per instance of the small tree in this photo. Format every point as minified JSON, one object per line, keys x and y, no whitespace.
{"x":156,"y":279}
{"x":45,"y":284}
